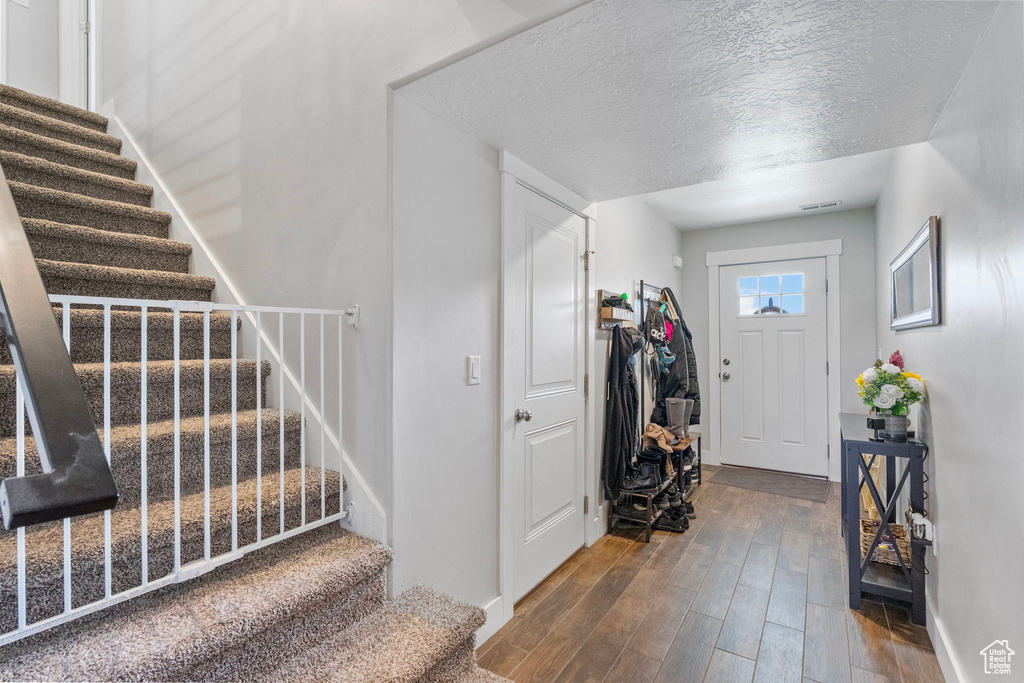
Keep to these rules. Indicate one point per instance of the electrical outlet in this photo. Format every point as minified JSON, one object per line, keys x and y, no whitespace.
{"x":472,"y":370}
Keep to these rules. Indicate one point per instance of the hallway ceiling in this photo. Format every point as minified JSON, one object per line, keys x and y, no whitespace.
{"x":625,"y":97}
{"x":776,"y":192}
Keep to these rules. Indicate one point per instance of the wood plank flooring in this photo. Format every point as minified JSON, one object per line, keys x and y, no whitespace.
{"x":754,"y":591}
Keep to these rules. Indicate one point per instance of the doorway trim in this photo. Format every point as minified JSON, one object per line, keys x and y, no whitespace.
{"x":830,"y":250}
{"x":515,"y":172}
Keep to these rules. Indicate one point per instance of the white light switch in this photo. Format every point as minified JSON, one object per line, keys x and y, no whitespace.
{"x":472,"y":370}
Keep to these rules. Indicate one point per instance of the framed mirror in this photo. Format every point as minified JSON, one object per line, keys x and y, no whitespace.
{"x":915,"y":281}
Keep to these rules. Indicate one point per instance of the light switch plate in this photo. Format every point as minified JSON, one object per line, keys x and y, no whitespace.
{"x":472,"y":370}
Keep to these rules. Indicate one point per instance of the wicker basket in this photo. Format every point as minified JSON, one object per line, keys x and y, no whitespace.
{"x":884,"y":552}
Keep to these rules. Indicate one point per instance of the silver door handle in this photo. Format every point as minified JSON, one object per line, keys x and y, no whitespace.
{"x":523,"y":415}
{"x":726,"y":376}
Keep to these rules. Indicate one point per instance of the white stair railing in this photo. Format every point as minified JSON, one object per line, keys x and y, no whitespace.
{"x":283,"y":338}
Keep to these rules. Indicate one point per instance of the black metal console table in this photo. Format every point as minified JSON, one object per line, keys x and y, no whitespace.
{"x":905,"y":582}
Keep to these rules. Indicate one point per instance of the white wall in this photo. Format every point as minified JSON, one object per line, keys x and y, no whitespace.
{"x":31,"y":47}
{"x":269,"y":122}
{"x":971,"y":174}
{"x":857,"y":303}
{"x":447,"y":230}
{"x":633,"y":242}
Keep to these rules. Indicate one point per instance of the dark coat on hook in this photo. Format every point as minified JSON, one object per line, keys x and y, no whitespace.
{"x":681,"y":379}
{"x":621,"y":430}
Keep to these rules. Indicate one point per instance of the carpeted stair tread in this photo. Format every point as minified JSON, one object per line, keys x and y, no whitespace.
{"x":45,"y":545}
{"x":56,"y":129}
{"x":78,"y":209}
{"x":30,"y":144}
{"x":126,"y":390}
{"x":30,"y":170}
{"x":126,"y":335}
{"x":169,"y":634}
{"x":126,"y":451}
{"x":86,"y":279}
{"x":401,"y":641}
{"x":54,"y":241}
{"x":52,"y":108}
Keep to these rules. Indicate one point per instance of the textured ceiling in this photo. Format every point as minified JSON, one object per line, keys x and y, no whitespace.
{"x":624,"y":97}
{"x":775,"y":193}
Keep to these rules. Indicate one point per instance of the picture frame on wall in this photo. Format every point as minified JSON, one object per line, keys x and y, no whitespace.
{"x":915,"y":281}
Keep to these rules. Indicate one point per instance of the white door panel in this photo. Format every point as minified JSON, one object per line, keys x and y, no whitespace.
{"x":545,"y":245}
{"x":773,"y":366}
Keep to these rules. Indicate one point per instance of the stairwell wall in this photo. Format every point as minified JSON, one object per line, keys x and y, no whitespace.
{"x":268,"y":120}
{"x":970,"y":173}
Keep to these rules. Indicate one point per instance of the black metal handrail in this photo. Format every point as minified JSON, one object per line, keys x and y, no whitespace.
{"x":76,"y":478}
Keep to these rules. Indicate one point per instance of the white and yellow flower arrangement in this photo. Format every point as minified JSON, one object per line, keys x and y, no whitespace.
{"x":888,"y":388}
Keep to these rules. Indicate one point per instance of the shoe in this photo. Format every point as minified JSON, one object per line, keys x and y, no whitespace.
{"x":666,"y":522}
{"x":656,"y":457}
{"x":687,"y":411}
{"x":690,"y":512}
{"x":661,"y":501}
{"x":630,"y":512}
{"x":675,"y":498}
{"x":674,"y":411}
{"x":646,"y":477}
{"x":679,"y":513}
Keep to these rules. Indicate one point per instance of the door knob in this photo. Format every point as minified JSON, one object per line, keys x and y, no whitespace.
{"x":725,"y":361}
{"x":523,"y":415}
{"x":726,"y":376}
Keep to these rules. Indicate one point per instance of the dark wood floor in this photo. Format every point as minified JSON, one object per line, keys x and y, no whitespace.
{"x":755,"y":590}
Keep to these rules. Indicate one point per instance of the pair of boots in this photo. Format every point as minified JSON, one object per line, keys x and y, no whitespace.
{"x":649,"y":474}
{"x":679,"y":411}
{"x":657,"y":436}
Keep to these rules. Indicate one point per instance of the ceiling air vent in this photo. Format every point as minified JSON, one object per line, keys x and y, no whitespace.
{"x":821,"y":205}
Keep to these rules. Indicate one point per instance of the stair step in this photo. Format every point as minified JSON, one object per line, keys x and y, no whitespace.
{"x":83,"y":279}
{"x":163,"y":635}
{"x":52,"y":108}
{"x":42,"y":173}
{"x":125,"y":453}
{"x":40,"y":124}
{"x":65,"y":153}
{"x":402,"y":641}
{"x":126,"y":335}
{"x":77,"y":209}
{"x":78,"y":244}
{"x":126,"y":390}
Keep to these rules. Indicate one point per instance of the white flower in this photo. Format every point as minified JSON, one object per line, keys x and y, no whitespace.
{"x":916,"y":384}
{"x":891,"y":369}
{"x":888,"y":395}
{"x":870,"y":375}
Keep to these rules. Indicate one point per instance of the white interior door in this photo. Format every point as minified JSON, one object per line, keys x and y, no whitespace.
{"x":773,"y":366}
{"x":544,"y":246}
{"x":44,"y":48}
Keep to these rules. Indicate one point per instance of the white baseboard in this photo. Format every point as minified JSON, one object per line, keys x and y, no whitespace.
{"x":368,"y":516}
{"x":951,"y":669}
{"x":496,"y":618}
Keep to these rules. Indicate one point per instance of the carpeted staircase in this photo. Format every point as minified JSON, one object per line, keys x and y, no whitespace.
{"x":312,"y":607}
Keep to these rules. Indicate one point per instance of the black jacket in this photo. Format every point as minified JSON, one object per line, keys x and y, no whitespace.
{"x":681,"y":379}
{"x":621,"y":431}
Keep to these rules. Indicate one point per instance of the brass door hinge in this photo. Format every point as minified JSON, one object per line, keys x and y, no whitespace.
{"x":586,"y":504}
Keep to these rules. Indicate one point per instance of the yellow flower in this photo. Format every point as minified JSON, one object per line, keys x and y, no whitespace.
{"x":912,"y":374}
{"x":860,"y":381}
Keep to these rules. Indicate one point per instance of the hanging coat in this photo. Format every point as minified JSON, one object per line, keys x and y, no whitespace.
{"x":681,"y":379}
{"x":621,"y":429}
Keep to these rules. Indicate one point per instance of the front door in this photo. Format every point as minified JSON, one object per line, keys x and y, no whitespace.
{"x":773,"y":366}
{"x":544,"y":247}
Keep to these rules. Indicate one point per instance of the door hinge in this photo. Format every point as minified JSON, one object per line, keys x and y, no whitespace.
{"x":826,"y":286}
{"x":586,"y":384}
{"x":586,"y":260}
{"x":586,"y":504}
{"x":826,"y":367}
{"x":85,"y":26}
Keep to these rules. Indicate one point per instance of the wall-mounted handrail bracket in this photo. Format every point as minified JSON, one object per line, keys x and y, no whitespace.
{"x":353,"y":316}
{"x":76,"y":478}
